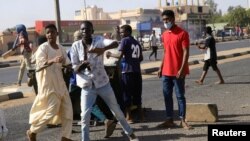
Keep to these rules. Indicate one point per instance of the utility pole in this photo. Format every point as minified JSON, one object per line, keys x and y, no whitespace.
{"x":85,"y":9}
{"x":247,"y":4}
{"x":58,"y":20}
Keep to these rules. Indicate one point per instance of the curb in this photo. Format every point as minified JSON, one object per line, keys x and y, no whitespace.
{"x":194,"y":62}
{"x":12,"y":61}
{"x":10,"y":96}
{"x":11,"y":64}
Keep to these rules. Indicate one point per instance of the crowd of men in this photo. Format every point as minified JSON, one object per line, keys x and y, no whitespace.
{"x":108,"y":92}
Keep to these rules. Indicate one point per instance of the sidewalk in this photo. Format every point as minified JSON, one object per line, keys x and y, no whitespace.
{"x":14,"y":92}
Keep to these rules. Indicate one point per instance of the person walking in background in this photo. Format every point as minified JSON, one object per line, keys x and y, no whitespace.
{"x":22,"y":41}
{"x":238,"y":31}
{"x":53,"y":97}
{"x":87,"y":60}
{"x":153,"y":45}
{"x":174,"y":68}
{"x":116,"y":34}
{"x":131,"y":57}
{"x":210,"y":57}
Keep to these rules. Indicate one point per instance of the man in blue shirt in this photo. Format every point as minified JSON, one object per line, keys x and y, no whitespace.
{"x":131,"y":56}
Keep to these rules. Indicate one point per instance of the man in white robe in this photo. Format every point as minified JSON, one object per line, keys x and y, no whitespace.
{"x":53,"y":101}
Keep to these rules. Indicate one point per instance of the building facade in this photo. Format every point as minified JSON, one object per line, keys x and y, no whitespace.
{"x":189,"y":14}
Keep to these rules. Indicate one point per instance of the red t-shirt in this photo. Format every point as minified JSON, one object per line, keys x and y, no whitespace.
{"x":174,"y":40}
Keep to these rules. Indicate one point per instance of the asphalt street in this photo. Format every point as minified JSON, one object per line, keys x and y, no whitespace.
{"x":232,"y":100}
{"x":9,"y":75}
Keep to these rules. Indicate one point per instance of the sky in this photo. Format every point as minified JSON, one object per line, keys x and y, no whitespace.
{"x":13,"y":12}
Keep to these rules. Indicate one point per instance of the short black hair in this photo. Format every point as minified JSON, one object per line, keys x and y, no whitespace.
{"x":88,"y":23}
{"x":127,"y":28}
{"x":169,"y":13}
{"x":51,"y":26}
{"x":209,"y":29}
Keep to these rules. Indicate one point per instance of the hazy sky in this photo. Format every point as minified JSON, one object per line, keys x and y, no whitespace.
{"x":13,"y":12}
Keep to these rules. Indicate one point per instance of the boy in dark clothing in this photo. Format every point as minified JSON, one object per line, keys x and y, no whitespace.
{"x":210,"y":57}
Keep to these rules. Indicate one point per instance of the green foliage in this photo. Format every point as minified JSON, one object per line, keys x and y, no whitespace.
{"x":236,"y":15}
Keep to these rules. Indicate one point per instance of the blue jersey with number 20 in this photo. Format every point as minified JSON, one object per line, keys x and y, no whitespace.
{"x":132,"y":54}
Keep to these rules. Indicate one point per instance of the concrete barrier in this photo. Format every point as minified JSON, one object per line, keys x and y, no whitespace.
{"x":201,"y":112}
{"x":9,"y":96}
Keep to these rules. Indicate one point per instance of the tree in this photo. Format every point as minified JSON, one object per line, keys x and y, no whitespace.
{"x":212,"y":10}
{"x":230,"y":9}
{"x":238,"y":16}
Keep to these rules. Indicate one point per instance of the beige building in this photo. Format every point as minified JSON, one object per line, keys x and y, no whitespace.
{"x":131,"y":17}
{"x":190,"y":14}
{"x":92,"y":13}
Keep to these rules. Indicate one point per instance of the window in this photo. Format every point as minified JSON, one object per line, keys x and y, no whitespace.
{"x":199,"y":9}
{"x":77,"y":12}
{"x":127,"y":21}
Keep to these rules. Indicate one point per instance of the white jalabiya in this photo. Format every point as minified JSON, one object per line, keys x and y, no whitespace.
{"x":53,"y":97}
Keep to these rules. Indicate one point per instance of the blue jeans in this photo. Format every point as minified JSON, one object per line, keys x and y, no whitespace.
{"x":88,"y":97}
{"x":168,"y":83}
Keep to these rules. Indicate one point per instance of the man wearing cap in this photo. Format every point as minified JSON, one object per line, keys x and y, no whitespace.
{"x":22,"y":41}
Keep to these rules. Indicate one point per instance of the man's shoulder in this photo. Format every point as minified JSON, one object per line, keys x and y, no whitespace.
{"x":77,"y":43}
{"x":209,"y":37}
{"x":43,"y":46}
{"x":125,"y":39}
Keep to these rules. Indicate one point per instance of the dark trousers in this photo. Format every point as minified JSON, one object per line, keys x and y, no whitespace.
{"x":154,"y":51}
{"x":114,"y":77}
{"x":132,"y":88}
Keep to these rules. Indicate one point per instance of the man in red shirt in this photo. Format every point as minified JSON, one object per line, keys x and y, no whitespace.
{"x":174,"y":68}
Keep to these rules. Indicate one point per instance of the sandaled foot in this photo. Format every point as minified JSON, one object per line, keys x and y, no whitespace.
{"x":198,"y":82}
{"x":109,"y":128}
{"x":31,"y":136}
{"x":130,"y":121}
{"x":65,"y":139}
{"x":166,"y":124}
{"x":185,"y":125}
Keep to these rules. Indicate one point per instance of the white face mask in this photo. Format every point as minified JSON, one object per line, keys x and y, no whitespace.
{"x":168,"y":25}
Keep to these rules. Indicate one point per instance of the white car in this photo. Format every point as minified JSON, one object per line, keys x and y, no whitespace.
{"x":146,"y":38}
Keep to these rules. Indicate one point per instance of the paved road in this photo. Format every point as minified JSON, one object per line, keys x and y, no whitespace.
{"x":231,"y":98}
{"x":194,"y":51}
{"x":9,"y":75}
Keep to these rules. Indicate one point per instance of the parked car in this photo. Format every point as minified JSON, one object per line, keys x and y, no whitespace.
{"x":146,"y":38}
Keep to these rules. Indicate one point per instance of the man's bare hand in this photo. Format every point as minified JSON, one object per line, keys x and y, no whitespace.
{"x":58,"y":59}
{"x":159,"y":73}
{"x":108,"y":54}
{"x":180,"y":74}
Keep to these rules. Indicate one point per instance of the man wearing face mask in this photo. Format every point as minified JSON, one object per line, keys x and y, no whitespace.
{"x":174,"y":68}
